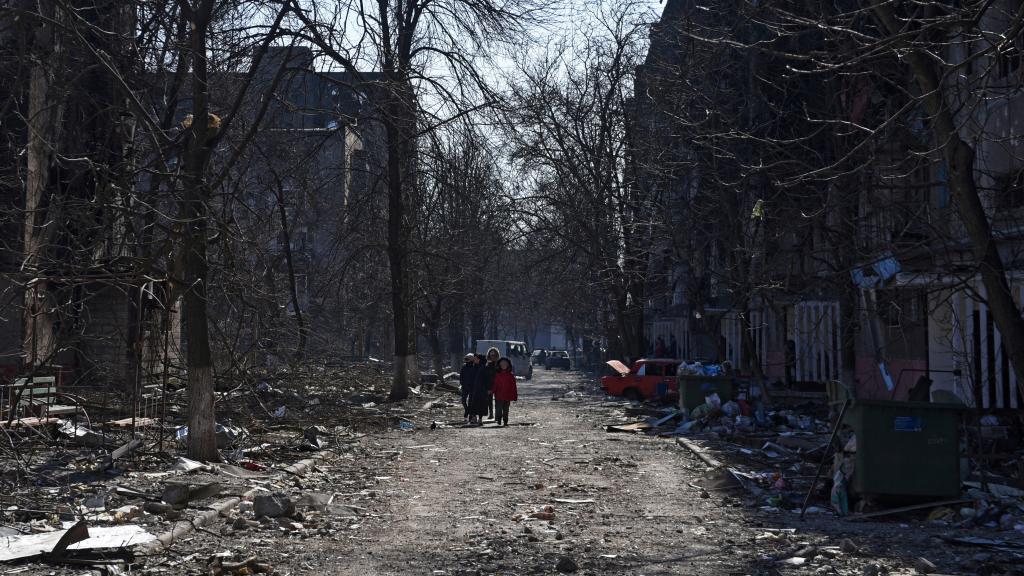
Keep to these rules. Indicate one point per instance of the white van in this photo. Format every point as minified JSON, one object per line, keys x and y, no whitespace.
{"x":516,"y":352}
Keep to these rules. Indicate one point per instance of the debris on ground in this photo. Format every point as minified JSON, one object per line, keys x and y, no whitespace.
{"x":722,"y":483}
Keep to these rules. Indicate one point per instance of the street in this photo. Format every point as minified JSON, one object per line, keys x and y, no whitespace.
{"x":403,"y":488}
{"x":453,"y":503}
{"x":454,"y":498}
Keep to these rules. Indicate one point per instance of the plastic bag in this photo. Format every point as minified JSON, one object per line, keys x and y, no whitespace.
{"x":713,"y":401}
{"x":840,"y":499}
{"x":712,"y":370}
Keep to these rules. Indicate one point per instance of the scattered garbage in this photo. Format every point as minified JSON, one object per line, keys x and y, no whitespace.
{"x":313,"y":437}
{"x":72,"y":538}
{"x":629,"y":427}
{"x":273,"y":505}
{"x":81,"y":435}
{"x":226,"y":435}
{"x":175,"y":495}
{"x":1010,"y":547}
{"x":182,"y":464}
{"x":218,"y":565}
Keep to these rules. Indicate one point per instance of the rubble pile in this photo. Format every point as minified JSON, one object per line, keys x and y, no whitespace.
{"x":111,"y":499}
{"x":772,"y":459}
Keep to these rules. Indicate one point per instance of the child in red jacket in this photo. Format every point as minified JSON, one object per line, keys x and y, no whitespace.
{"x":505,"y":392}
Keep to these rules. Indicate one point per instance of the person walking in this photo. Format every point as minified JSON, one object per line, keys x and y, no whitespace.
{"x":659,"y":347}
{"x":493,"y":356}
{"x":505,"y":391}
{"x":482,"y":401}
{"x":467,"y":379}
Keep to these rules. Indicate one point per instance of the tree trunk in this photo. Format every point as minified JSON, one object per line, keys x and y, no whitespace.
{"x":750,"y":352}
{"x":400,"y":128}
{"x":625,"y":340}
{"x":300,"y":349}
{"x":45,"y":108}
{"x":438,"y":352}
{"x":202,"y":441}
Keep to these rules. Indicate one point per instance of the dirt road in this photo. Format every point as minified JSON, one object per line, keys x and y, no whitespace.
{"x":454,"y":499}
{"x":455,"y":493}
{"x":458,"y":501}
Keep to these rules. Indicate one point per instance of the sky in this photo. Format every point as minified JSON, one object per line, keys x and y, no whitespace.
{"x":569,"y":22}
{"x":575,"y":18}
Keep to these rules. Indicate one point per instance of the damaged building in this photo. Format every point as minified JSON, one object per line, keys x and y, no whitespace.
{"x":865,"y":277}
{"x":87,"y":291}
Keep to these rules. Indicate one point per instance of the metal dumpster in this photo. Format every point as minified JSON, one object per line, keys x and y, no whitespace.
{"x":693,"y":389}
{"x":905,"y":448}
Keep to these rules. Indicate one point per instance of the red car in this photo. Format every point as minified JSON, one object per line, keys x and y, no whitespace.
{"x":649,"y":378}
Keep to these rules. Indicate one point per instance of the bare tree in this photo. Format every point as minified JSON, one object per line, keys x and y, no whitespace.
{"x":465,"y":222}
{"x":143,"y":61}
{"x":571,"y":131}
{"x":421,"y":48}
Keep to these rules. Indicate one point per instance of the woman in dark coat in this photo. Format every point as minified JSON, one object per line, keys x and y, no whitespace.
{"x":467,"y":380}
{"x":481,"y":402}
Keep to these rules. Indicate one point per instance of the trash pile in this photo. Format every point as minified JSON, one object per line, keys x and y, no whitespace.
{"x":700,"y":369}
{"x":725,"y":420}
{"x":793,"y":459}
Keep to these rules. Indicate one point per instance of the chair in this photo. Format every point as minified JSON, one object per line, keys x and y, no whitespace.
{"x":38,"y":397}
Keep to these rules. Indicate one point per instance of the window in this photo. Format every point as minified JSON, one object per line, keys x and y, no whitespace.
{"x":1009,"y":190}
{"x":653,"y":370}
{"x":942,"y":189}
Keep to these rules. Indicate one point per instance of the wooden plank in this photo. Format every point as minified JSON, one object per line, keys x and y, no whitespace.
{"x":908,"y":509}
{"x":126,"y":422}
{"x":30,"y":421}
{"x":40,"y":391}
{"x":699,"y":452}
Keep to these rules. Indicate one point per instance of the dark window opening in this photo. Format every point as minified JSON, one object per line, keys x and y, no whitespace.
{"x":1009,"y":190}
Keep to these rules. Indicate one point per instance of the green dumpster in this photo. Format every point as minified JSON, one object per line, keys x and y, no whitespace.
{"x":905,"y":448}
{"x":693,"y":389}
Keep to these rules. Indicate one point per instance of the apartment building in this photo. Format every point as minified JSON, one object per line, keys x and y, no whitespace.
{"x":865,"y":276}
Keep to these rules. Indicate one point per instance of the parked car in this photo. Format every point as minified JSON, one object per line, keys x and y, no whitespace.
{"x":538,"y":356}
{"x":557,"y":359}
{"x":648,"y":378}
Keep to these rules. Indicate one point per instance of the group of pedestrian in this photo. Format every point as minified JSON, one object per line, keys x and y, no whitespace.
{"x":663,"y":351}
{"x":488,"y":386}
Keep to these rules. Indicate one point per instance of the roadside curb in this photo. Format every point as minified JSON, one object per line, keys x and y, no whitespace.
{"x":217,"y":509}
